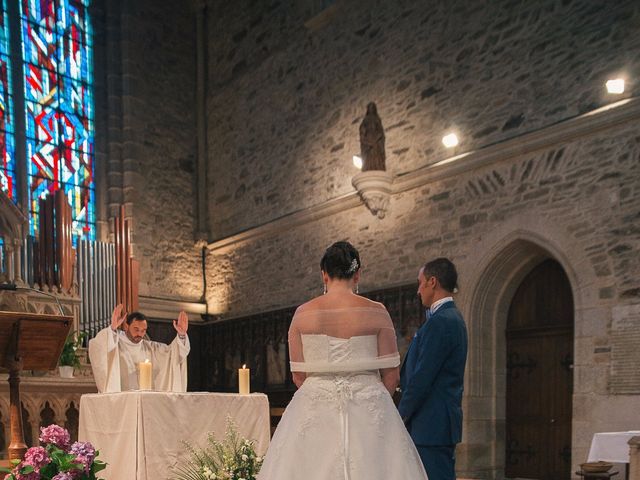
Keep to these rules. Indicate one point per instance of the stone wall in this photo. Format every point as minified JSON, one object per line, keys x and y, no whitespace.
{"x":149,"y":50}
{"x":587,"y":191}
{"x":284,"y":106}
{"x":285,"y":100}
{"x":265,"y":142}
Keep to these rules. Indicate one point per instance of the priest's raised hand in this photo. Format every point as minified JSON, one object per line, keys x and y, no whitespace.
{"x":118,"y":317}
{"x":182,"y":324}
{"x":116,"y":352}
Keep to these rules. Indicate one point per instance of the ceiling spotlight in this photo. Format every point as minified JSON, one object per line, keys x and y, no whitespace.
{"x":357,"y":162}
{"x":615,"y":86}
{"x":450,"y":140}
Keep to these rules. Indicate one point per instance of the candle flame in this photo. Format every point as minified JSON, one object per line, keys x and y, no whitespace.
{"x":244,"y":366}
{"x":147,"y":361}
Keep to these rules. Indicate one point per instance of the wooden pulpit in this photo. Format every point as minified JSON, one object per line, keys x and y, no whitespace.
{"x":28,"y":341}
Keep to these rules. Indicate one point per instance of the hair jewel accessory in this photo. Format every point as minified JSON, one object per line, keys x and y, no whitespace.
{"x":353,"y":267}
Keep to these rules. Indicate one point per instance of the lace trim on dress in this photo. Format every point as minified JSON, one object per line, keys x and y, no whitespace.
{"x":385,"y":361}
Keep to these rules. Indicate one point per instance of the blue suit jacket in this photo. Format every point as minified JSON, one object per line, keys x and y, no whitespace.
{"x":432,"y":379}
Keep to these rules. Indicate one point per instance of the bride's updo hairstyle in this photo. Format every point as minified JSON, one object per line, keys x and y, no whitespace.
{"x":341,"y":260}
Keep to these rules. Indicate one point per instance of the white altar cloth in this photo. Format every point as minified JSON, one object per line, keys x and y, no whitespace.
{"x":611,"y":446}
{"x":140,"y":434}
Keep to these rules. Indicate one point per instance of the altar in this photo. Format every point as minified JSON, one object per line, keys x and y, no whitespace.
{"x":140,"y":434}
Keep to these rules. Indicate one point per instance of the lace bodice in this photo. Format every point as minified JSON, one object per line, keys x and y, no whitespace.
{"x":325,"y":354}
{"x":323,"y":348}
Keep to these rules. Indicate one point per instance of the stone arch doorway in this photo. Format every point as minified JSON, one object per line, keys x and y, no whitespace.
{"x":539,"y":375}
{"x":487,"y":291}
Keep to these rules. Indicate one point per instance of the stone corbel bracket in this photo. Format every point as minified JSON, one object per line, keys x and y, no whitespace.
{"x":374,"y":189}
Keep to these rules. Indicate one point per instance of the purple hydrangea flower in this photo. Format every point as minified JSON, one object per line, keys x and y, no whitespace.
{"x":85,"y":462}
{"x":55,"y":435}
{"x":84,"y":449}
{"x":63,"y":476}
{"x":37,"y":457}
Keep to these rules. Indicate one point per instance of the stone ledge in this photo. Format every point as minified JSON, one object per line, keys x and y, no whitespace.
{"x":167,"y":309}
{"x":288,"y":221}
{"x":602,"y":118}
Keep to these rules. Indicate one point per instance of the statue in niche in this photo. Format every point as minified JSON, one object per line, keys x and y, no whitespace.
{"x":372,"y":140}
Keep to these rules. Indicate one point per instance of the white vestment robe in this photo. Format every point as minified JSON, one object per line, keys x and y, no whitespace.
{"x":114,"y":361}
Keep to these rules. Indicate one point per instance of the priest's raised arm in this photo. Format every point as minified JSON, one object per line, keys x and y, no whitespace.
{"x":115,"y":354}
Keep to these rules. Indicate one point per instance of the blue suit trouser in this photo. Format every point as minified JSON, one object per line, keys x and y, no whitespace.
{"x":439,"y":461}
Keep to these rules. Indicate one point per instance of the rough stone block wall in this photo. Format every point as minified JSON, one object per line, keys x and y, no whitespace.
{"x":285,"y":101}
{"x":586,"y":192}
{"x":154,"y":160}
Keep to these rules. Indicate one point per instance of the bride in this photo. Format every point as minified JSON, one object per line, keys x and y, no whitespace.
{"x":342,"y":423}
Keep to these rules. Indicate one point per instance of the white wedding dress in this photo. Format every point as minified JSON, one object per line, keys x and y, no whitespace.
{"x":341,"y":425}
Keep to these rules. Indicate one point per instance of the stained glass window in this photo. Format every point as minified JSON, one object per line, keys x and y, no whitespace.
{"x":7,"y":132}
{"x":57,"y":65}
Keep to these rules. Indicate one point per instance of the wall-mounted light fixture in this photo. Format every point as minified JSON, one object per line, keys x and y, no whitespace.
{"x":450,"y":140}
{"x":615,"y":85}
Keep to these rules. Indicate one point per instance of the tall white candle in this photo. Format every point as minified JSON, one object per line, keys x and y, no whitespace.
{"x":243,"y":380}
{"x":145,"y":375}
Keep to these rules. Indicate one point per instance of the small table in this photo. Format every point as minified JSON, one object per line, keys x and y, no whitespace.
{"x":612,"y":447}
{"x":140,"y":434}
{"x":596,"y":476}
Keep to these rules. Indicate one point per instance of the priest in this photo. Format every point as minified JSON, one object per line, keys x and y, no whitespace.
{"x":115,"y":354}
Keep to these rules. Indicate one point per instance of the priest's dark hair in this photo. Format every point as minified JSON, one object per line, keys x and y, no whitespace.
{"x":341,"y":260}
{"x":133,"y":316}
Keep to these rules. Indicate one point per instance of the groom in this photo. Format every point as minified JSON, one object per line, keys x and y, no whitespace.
{"x":432,"y":374}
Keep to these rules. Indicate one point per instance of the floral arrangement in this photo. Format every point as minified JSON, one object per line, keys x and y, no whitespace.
{"x":58,"y":459}
{"x":69,"y":357}
{"x":234,"y":458}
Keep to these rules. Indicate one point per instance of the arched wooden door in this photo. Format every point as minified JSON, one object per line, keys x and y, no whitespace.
{"x":540,"y":376}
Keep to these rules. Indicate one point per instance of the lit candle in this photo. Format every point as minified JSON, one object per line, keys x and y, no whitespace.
{"x":243,"y":380}
{"x":145,"y":375}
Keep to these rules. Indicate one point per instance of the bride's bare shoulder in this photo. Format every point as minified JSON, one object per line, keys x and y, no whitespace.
{"x":313,"y":304}
{"x":365,"y":302}
{"x":324,"y":303}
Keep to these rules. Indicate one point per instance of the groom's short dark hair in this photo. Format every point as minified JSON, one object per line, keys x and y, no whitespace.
{"x":444,"y":270}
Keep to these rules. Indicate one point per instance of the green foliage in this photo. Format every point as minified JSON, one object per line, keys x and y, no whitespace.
{"x":69,"y":357}
{"x":234,"y":458}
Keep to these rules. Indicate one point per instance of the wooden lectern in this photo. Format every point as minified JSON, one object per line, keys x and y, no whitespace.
{"x":28,"y":341}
